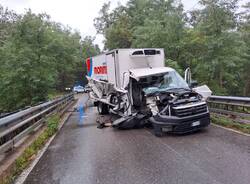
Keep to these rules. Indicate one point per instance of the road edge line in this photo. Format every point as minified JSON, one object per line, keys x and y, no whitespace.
{"x":230,"y":129}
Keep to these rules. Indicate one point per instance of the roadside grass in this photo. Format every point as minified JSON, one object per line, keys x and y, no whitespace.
{"x":30,"y":152}
{"x":229,"y":123}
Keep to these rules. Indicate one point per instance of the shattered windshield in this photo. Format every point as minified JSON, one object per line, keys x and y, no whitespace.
{"x":170,"y":80}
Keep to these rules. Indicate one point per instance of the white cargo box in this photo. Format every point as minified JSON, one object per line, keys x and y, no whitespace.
{"x":112,"y":66}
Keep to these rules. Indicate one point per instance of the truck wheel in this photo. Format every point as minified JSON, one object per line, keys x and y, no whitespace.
{"x":102,"y":108}
{"x":157,"y":131}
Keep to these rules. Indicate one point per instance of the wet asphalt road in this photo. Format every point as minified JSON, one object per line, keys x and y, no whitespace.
{"x":87,"y":155}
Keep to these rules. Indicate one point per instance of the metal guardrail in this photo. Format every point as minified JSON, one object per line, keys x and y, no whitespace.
{"x":235,"y":107}
{"x":4,"y":114}
{"x":16,"y":126}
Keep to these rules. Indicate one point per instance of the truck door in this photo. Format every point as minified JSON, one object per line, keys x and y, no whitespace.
{"x":111,"y":71}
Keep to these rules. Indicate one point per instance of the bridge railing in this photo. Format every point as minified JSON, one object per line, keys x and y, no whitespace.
{"x":233,"y":107}
{"x":18,"y":125}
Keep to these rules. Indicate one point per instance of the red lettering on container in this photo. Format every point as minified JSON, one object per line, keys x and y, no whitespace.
{"x":100,"y":70}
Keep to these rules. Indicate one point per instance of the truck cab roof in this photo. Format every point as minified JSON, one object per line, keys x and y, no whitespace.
{"x":144,"y":72}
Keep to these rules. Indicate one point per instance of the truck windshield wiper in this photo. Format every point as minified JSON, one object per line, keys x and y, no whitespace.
{"x":187,"y":89}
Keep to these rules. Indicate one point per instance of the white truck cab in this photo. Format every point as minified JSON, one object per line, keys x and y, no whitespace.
{"x":135,"y":84}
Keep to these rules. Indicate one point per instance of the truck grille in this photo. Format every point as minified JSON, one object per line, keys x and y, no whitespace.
{"x":182,"y":111}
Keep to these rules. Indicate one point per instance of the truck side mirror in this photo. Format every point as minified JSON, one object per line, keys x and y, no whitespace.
{"x":187,"y":76}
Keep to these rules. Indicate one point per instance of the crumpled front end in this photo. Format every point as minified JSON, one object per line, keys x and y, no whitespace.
{"x":180,"y":111}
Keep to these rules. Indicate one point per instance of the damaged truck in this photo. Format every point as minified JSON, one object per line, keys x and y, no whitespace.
{"x":136,"y":85}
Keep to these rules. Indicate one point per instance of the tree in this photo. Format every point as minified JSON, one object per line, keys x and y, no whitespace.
{"x":7,"y":20}
{"x":218,"y":66}
{"x":213,"y":40}
{"x":115,"y":26}
{"x":65,"y":47}
{"x":27,"y":68}
{"x":143,"y":23}
{"x":244,"y":29}
{"x":163,"y":27}
{"x":104,"y":21}
{"x":36,"y":57}
{"x":119,"y":35}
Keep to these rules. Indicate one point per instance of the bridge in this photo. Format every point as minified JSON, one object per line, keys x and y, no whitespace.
{"x":85,"y":154}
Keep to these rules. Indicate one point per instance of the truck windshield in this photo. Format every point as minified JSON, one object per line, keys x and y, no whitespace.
{"x":170,"y":80}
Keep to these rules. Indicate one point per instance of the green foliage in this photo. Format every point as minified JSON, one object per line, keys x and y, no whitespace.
{"x":214,"y":41}
{"x":52,"y":125}
{"x":175,"y":65}
{"x":28,"y":69}
{"x":7,"y":20}
{"x":218,"y":65}
{"x":244,"y":28}
{"x":37,"y":56}
{"x":53,"y":94}
{"x":227,"y":122}
{"x":118,"y":35}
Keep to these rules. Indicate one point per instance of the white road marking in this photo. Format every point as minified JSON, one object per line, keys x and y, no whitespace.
{"x":26,"y":172}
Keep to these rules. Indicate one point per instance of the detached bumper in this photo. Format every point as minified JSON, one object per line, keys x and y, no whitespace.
{"x":180,"y":125}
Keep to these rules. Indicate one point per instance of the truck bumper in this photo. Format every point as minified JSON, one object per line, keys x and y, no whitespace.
{"x":179,"y":125}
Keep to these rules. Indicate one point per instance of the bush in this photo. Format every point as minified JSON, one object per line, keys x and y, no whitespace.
{"x":226,"y":122}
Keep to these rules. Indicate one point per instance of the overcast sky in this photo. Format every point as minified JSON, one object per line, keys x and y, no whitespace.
{"x":78,"y":14}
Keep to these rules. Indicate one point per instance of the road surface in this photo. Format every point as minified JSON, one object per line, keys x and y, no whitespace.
{"x":87,"y":155}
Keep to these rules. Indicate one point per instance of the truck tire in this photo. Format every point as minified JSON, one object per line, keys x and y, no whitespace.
{"x":102,"y":108}
{"x":157,"y":131}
